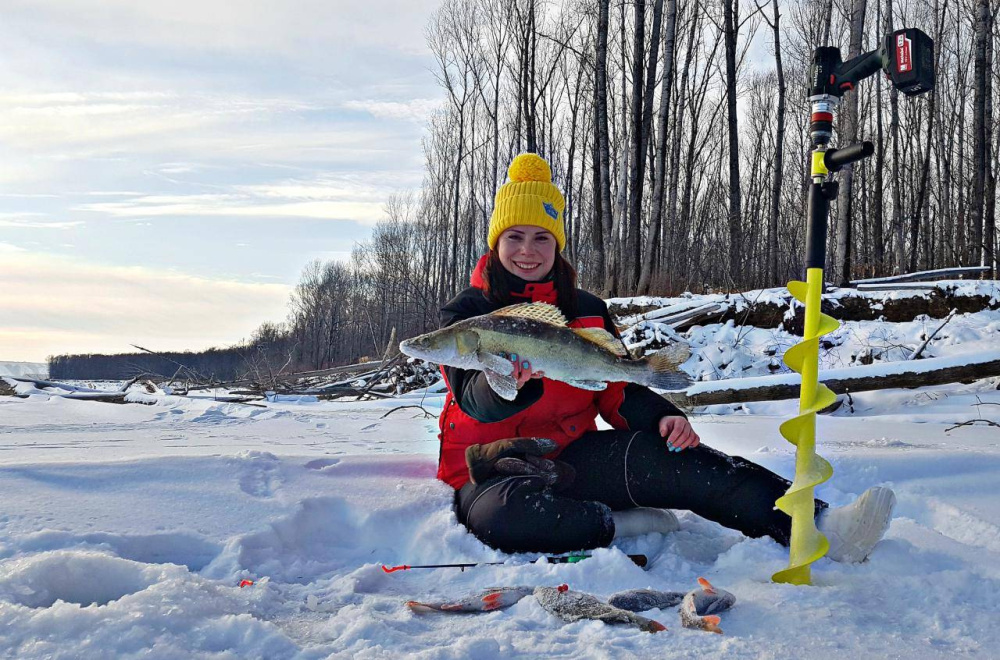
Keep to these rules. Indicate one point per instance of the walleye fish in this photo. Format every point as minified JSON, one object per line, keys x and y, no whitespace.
{"x":587,"y":358}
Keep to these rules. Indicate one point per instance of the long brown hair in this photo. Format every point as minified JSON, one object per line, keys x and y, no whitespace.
{"x":497,"y":283}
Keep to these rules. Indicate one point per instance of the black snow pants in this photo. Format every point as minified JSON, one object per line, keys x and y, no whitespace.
{"x":617,"y":470}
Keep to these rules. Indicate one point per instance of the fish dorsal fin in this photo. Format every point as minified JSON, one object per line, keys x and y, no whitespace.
{"x":602,"y":338}
{"x":537,"y":311}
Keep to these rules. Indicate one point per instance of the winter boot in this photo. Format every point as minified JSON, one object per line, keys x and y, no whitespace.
{"x":643,"y":520}
{"x":853,"y":530}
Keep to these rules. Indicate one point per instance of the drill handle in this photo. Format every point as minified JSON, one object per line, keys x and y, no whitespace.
{"x":834,"y":159}
{"x":854,"y":70}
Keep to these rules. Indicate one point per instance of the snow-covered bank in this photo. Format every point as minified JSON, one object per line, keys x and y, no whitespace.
{"x":21,"y":369}
{"x":126,"y":530}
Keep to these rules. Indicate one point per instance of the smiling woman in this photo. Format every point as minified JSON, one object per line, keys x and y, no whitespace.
{"x":531,"y":470}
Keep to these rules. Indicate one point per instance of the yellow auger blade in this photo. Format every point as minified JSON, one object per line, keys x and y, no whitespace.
{"x":807,"y":543}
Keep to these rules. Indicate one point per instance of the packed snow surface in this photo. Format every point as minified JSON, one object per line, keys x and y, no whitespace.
{"x":126,"y":530}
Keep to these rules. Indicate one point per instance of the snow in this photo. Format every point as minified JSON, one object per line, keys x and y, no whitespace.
{"x":779,"y":296}
{"x":728,"y":351}
{"x":125,"y":530}
{"x":36,"y":369}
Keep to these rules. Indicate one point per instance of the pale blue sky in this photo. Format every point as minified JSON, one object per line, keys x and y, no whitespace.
{"x":167,"y":169}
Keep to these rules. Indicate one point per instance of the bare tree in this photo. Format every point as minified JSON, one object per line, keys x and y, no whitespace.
{"x":849,"y":134}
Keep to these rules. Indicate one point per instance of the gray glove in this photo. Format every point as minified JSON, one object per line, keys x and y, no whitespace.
{"x":517,"y":456}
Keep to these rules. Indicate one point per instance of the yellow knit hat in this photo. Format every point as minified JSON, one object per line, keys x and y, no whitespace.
{"x":530,"y":198}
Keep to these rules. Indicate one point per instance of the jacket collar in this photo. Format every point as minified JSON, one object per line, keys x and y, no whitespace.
{"x":533,"y":291}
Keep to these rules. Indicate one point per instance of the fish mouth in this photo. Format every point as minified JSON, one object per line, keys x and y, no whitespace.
{"x":412,"y":348}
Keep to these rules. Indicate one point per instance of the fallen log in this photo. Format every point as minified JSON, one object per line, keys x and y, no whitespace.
{"x":103,"y":397}
{"x":899,"y":286}
{"x":331,"y":395}
{"x":909,"y":374}
{"x":285,"y":378}
{"x":48,"y":383}
{"x":937,"y":274}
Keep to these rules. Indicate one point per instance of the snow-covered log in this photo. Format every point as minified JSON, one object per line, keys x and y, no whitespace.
{"x":934,"y":371}
{"x":938,"y":274}
{"x":49,"y":383}
{"x":899,"y":286}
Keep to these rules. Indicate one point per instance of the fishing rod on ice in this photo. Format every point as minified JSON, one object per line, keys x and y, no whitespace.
{"x":907,"y":58}
{"x":638,"y":560}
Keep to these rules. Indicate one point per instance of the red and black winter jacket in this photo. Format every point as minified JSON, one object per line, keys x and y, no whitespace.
{"x":474,"y":414}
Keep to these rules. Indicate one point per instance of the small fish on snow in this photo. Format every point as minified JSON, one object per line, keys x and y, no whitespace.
{"x":575,"y":605}
{"x":640,"y":600}
{"x":699,"y":607}
{"x":495,"y":598}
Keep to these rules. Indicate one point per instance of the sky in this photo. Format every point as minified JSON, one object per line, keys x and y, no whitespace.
{"x":168,"y":169}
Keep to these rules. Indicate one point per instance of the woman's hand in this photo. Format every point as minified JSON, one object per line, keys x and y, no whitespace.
{"x":522,"y":369}
{"x":678,"y":433}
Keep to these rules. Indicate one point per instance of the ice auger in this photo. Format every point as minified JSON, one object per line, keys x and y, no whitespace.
{"x":907,"y":57}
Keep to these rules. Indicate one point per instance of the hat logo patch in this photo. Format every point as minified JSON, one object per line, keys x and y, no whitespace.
{"x":551,"y":211}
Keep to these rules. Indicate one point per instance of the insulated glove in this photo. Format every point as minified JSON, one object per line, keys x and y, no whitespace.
{"x":517,"y":456}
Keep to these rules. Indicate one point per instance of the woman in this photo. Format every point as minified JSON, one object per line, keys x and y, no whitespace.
{"x":602,"y":484}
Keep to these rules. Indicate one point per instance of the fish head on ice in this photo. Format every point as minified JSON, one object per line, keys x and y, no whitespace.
{"x":455,"y":346}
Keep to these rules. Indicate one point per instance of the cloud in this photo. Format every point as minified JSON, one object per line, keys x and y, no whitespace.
{"x":67,"y":120}
{"x":55,"y":305}
{"x":295,"y":28}
{"x":417,"y":110}
{"x":358,"y":196}
{"x":230,"y":205}
{"x":26,"y":221}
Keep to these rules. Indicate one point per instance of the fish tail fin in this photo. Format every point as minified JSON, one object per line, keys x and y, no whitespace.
{"x":655,"y":626}
{"x":712,"y":624}
{"x":706,"y":586}
{"x":663,"y":368}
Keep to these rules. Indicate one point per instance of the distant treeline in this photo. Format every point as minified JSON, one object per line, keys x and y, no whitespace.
{"x":219,"y":364}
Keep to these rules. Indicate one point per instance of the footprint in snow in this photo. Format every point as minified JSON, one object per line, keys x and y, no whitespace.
{"x":259,"y":473}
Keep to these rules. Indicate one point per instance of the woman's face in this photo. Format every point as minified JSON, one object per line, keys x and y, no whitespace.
{"x":527,"y":251}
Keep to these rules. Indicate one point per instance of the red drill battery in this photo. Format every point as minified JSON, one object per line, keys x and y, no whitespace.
{"x":910,"y":65}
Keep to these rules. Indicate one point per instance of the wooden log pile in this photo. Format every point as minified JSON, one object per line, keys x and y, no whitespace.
{"x":373,"y":380}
